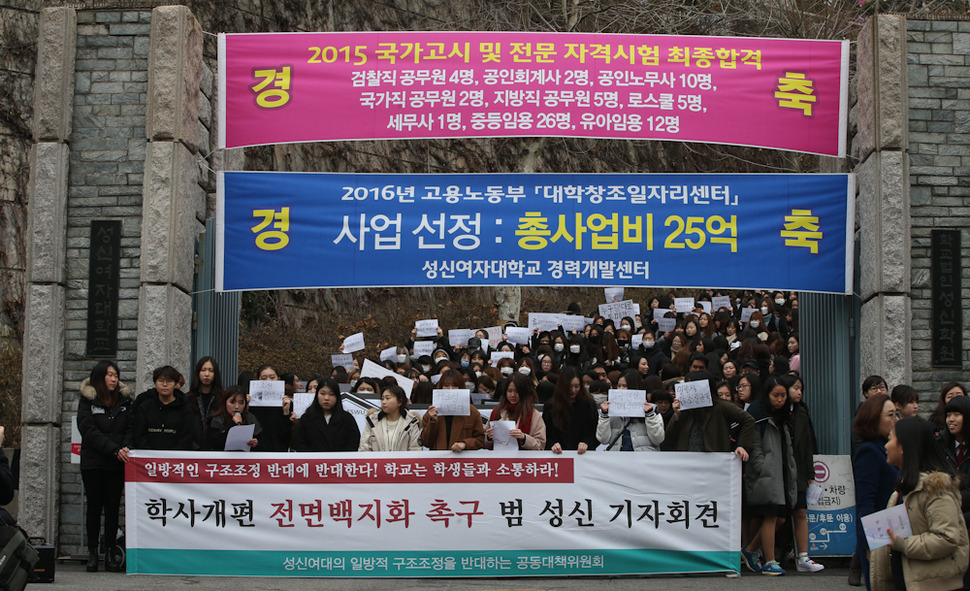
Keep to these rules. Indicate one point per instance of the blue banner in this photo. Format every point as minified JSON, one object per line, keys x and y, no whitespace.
{"x":306,"y":230}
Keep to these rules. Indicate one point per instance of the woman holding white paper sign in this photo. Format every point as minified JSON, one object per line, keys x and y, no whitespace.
{"x":455,"y":433}
{"x":935,"y":556}
{"x":630,"y":433}
{"x":275,"y":420}
{"x":233,"y":409}
{"x":517,"y":401}
{"x":392,"y":427}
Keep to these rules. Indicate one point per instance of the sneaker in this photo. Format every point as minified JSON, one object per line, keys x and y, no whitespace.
{"x":807,"y":565}
{"x":752,"y":560}
{"x":772,"y":568}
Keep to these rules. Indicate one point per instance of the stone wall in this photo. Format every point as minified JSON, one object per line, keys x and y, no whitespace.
{"x":938,"y":58}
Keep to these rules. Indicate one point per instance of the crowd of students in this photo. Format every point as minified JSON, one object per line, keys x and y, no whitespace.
{"x":758,"y":410}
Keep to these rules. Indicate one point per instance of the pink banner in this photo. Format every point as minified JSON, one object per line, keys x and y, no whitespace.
{"x":306,"y":87}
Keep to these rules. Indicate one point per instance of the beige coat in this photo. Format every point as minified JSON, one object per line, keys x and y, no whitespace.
{"x":535,"y":439}
{"x":375,"y":433}
{"x":935,"y":557}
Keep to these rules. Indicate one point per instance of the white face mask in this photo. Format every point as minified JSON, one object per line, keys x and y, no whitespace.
{"x":506,"y":371}
{"x":559,"y":347}
{"x":402,"y":358}
{"x":624,"y":327}
{"x":525,"y":370}
{"x":780,"y":302}
{"x":755,"y":324}
{"x":574,"y":348}
{"x":648,"y":344}
{"x":764,"y":310}
{"x":425,"y":368}
{"x":470,"y":386}
{"x":478,"y":374}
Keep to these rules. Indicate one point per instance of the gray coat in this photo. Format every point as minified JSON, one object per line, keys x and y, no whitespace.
{"x":766,"y":480}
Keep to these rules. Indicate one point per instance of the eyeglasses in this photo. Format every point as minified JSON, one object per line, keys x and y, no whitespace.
{"x":744,"y":386}
{"x":879,"y":388}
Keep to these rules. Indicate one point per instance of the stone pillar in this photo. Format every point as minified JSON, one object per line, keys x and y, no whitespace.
{"x":171,"y":192}
{"x":43,"y":358}
{"x":881,"y":149}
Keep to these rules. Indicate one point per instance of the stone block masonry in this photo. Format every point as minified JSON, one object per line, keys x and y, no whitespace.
{"x":938,"y":60}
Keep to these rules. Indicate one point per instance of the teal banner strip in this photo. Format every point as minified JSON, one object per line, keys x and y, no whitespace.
{"x":485,"y":563}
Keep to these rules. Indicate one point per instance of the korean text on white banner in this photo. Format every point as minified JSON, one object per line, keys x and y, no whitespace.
{"x":432,"y":514}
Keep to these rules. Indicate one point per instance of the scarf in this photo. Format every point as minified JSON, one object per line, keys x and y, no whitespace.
{"x":524,"y":423}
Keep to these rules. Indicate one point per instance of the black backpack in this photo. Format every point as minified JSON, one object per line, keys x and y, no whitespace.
{"x":17,"y":558}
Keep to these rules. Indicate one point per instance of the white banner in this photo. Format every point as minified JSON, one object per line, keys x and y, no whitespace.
{"x":431,"y":514}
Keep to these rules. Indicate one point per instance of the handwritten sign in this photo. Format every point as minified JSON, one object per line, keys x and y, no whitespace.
{"x":721,"y":302}
{"x":666,"y":324}
{"x":266,"y":393}
{"x":705,"y":305}
{"x":458,"y":337}
{"x":694,"y":394}
{"x":636,"y":340}
{"x":494,"y":336}
{"x":452,"y":402}
{"x":574,"y":323}
{"x":497,"y":355}
{"x":344,"y":360}
{"x":543,"y":321}
{"x":518,"y":335}
{"x":876,"y":524}
{"x":617,"y":311}
{"x":613,"y":294}
{"x":746,"y":314}
{"x":354,"y":342}
{"x":627,"y":403}
{"x":301,"y":402}
{"x":427,"y":328}
{"x":684,"y":305}
{"x":422,"y":348}
{"x":237,"y":439}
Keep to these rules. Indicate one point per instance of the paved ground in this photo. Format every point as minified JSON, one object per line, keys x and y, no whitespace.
{"x":71,"y":575}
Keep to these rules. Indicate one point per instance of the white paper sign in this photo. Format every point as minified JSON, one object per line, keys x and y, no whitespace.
{"x":344,"y":360}
{"x":746,"y":314}
{"x":389,"y":354}
{"x":494,"y":336}
{"x":427,"y":328}
{"x":75,"y":441}
{"x":666,"y":324}
{"x":372,"y":370}
{"x":354,"y":342}
{"x":721,"y":302}
{"x":496,"y":355}
{"x":705,"y":305}
{"x":237,"y":439}
{"x":618,"y":310}
{"x":636,"y":340}
{"x":502,"y":440}
{"x":684,"y":305}
{"x":302,"y":401}
{"x":627,"y":403}
{"x":518,"y":335}
{"x":613,"y":294}
{"x":543,"y":321}
{"x":423,"y":348}
{"x":571,"y":322}
{"x":266,"y":393}
{"x":694,"y":394}
{"x":876,"y":524}
{"x":459,"y":337}
{"x":452,"y":402}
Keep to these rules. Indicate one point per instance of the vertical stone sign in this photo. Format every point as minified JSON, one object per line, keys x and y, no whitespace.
{"x":103,"y":278}
{"x":947,"y":320}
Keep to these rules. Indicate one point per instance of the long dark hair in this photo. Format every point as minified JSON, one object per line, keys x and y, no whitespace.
{"x":527,"y":397}
{"x":922,"y":452}
{"x":781,"y":415}
{"x":216,"y":378}
{"x":562,"y":407}
{"x":939,"y":413}
{"x":334,"y":387}
{"x":100,"y":371}
{"x":960,"y":404}
{"x":227,"y":395}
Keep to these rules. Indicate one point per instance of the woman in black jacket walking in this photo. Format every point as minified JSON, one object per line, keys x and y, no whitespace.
{"x":103,"y":416}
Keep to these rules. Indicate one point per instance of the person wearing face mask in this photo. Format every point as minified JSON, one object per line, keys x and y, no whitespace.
{"x":577,"y":356}
{"x":772,"y":317}
{"x":506,"y":367}
{"x":527,"y":369}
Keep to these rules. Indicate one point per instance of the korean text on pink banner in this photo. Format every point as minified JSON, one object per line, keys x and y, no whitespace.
{"x":789,"y":94}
